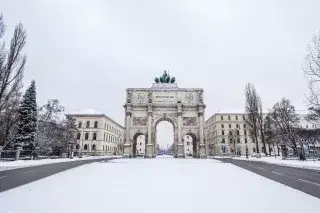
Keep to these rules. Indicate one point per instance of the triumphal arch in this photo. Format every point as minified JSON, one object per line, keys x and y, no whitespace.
{"x":164,"y":101}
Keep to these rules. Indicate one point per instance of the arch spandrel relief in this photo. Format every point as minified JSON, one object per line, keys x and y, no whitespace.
{"x":164,"y":101}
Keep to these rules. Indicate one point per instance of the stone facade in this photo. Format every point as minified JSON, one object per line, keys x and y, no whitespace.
{"x":182,"y":107}
{"x":220,"y":124}
{"x":97,"y":132}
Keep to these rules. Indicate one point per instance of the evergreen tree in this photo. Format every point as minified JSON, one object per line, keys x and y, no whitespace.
{"x":27,"y":118}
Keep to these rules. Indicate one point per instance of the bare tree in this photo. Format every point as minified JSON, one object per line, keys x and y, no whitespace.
{"x":311,"y":70}
{"x":49,"y":127}
{"x":12,"y":63}
{"x":252,"y":110}
{"x":261,"y":126}
{"x":286,"y":120}
{"x":270,"y":134}
{"x":234,"y":137}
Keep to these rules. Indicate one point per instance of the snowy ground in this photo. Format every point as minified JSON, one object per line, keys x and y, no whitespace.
{"x":6,"y":165}
{"x":157,"y":185}
{"x":310,"y":164}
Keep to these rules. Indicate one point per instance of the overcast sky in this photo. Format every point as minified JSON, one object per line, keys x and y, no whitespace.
{"x":86,"y":53}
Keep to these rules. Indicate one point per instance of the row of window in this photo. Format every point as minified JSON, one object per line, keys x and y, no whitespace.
{"x":107,"y":137}
{"x":223,"y":140}
{"x":108,"y":148}
{"x":95,"y":125}
{"x":86,"y":136}
{"x":106,"y":126}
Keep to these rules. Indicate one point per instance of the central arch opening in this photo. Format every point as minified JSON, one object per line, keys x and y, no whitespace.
{"x":164,"y":140}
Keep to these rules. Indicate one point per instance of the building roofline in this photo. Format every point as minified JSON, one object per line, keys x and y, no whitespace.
{"x":96,"y":115}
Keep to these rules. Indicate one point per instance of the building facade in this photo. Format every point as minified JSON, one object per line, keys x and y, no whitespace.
{"x":98,"y":133}
{"x":229,"y":126}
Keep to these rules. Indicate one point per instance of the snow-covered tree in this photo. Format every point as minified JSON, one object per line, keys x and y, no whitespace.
{"x":311,"y":70}
{"x":27,"y":129}
{"x":12,"y":63}
{"x":285,"y":120}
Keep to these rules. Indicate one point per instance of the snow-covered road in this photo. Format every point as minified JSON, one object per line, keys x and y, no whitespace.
{"x":157,"y":185}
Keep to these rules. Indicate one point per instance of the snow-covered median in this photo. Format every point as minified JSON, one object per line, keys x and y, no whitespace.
{"x":309,"y":164}
{"x":6,"y":165}
{"x":159,"y":186}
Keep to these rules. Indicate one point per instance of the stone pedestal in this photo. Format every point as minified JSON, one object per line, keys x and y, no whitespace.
{"x":149,"y":153}
{"x":202,"y":151}
{"x":180,"y":151}
{"x":127,"y":150}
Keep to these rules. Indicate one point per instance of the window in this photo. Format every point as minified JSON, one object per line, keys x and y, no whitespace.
{"x":103,"y":148}
{"x":96,"y":124}
{"x":140,"y":150}
{"x":222,"y":132}
{"x":307,"y":126}
{"x":78,"y":135}
{"x":237,"y":125}
{"x":238,"y":140}
{"x":229,"y":125}
{"x":254,"y":149}
{"x":236,"y":117}
{"x":244,"y":126}
{"x":223,"y":140}
{"x":188,"y":150}
{"x":85,"y":147}
{"x":105,"y":126}
{"x":229,"y":118}
{"x":86,"y":136}
{"x":230,"y":133}
{"x":245,"y":132}
{"x":221,"y":117}
{"x":80,"y":124}
{"x":238,"y":132}
{"x":93,"y":147}
{"x":94,"y":137}
{"x":245,"y":140}
{"x":222,"y":125}
{"x":88,"y":124}
{"x":104,"y":137}
{"x":244,"y":117}
{"x":188,"y":143}
{"x":230,"y":140}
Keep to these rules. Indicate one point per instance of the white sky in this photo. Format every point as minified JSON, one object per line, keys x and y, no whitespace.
{"x":86,"y":53}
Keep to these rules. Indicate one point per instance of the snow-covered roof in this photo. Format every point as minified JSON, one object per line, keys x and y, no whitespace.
{"x":86,"y":112}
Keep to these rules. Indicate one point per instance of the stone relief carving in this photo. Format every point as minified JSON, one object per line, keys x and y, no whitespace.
{"x":200,"y":97}
{"x":150,"y":97}
{"x":139,"y":121}
{"x":189,"y":97}
{"x":140,"y":97}
{"x":189,"y":121}
{"x":129,"y":97}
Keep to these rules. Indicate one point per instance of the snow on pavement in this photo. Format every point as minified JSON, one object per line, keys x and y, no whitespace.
{"x":157,"y":185}
{"x":6,"y":165}
{"x":309,"y":164}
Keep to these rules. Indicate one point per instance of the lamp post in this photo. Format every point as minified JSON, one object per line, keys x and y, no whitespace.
{"x":247,"y":150}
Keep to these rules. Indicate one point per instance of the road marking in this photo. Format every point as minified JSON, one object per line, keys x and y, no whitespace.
{"x":277,"y":173}
{"x":261,"y":168}
{"x":317,"y":184}
{"x":27,"y":172}
{"x":2,"y":177}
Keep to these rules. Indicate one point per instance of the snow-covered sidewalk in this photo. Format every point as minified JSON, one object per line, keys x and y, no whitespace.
{"x":310,"y":164}
{"x":6,"y":165}
{"x":157,"y":185}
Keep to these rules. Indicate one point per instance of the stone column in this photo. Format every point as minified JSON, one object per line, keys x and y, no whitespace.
{"x":202,"y":148}
{"x":150,"y":150}
{"x":127,"y":147}
{"x":0,"y":151}
{"x":18,"y":153}
{"x":180,"y":145}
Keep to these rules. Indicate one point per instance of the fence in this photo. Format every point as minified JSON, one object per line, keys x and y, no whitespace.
{"x":19,"y":154}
